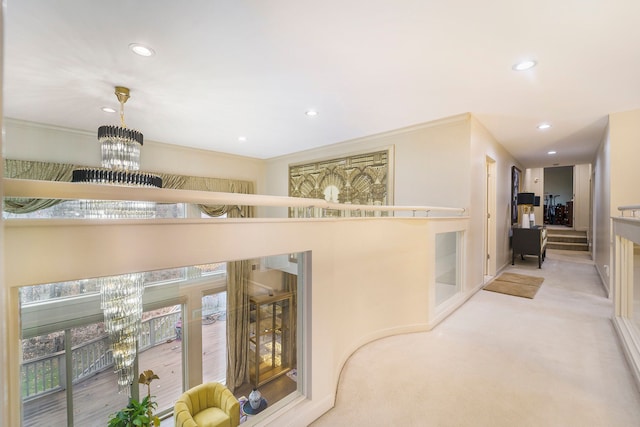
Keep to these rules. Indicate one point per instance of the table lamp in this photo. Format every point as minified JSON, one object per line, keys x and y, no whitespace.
{"x":526,"y":200}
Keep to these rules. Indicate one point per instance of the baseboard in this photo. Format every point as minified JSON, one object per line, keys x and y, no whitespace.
{"x":504,"y":267}
{"x":630,"y":345}
{"x":452,"y":305}
{"x":603,"y":282}
{"x":300,"y":412}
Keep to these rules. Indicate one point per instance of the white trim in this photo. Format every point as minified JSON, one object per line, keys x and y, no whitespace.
{"x":628,"y":335}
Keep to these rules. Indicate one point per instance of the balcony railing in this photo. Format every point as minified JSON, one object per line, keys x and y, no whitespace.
{"x":310,"y":207}
{"x":630,"y":209}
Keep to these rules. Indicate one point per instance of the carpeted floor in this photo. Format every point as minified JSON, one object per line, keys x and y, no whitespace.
{"x":499,"y":362}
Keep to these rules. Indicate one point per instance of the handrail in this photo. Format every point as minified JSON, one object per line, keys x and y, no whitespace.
{"x":632,"y":208}
{"x":71,"y":191}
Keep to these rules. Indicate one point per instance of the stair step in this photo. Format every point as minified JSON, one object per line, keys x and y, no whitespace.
{"x":568,"y":246}
{"x":567,"y":232}
{"x":566,"y":238}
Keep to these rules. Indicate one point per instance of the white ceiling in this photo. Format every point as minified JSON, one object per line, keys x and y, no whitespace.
{"x":225,"y":69}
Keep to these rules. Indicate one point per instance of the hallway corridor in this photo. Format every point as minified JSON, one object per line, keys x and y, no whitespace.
{"x":500,"y":361}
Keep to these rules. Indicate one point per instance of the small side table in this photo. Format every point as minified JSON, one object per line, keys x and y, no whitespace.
{"x":529,"y":241}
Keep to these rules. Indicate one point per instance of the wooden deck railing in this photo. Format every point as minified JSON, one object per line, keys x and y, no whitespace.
{"x":46,"y":374}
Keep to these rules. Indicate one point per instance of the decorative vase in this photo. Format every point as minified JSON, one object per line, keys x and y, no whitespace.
{"x":255,"y":397}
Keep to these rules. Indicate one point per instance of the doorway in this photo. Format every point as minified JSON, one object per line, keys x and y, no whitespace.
{"x":490,"y":219}
{"x":558,"y":196}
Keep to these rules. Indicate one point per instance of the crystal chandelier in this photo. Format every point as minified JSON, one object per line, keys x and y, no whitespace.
{"x":120,"y":153}
{"x":121,"y":304}
{"x":121,"y":296}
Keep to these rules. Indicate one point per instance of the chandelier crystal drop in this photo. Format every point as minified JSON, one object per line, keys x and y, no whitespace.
{"x":121,"y":303}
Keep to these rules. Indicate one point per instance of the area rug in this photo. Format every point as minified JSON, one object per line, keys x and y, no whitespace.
{"x":519,"y":285}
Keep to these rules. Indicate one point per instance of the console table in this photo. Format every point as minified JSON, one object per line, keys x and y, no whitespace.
{"x":529,"y":241}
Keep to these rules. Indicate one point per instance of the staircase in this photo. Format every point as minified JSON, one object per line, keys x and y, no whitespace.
{"x":567,"y":239}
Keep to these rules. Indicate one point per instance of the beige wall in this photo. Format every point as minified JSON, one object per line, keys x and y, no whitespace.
{"x":534,"y":183}
{"x":483,"y":145}
{"x":440,"y":163}
{"x":429,"y":164}
{"x":624,"y":135}
{"x":616,"y":181}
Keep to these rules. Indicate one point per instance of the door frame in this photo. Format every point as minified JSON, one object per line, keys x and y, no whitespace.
{"x":490,"y":218}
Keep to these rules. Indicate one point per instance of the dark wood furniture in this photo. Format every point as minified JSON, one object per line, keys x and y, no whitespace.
{"x":529,"y":241}
{"x":569,"y":214}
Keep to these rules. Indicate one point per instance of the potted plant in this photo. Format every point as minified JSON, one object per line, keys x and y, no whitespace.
{"x":138,"y":414}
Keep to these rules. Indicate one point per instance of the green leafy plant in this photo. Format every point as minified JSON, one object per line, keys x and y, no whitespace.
{"x":138,"y":414}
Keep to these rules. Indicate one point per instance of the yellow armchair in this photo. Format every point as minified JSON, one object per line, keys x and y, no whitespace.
{"x":207,"y":405}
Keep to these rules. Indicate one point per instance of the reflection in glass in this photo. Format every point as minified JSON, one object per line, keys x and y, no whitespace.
{"x":447,"y":280}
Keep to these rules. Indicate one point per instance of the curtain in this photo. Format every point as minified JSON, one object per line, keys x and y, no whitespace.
{"x":42,"y":171}
{"x":238,"y":273}
{"x":46,"y":171}
{"x":223,"y":186}
{"x":291,"y":285}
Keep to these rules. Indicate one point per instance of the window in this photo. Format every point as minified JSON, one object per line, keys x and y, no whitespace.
{"x":160,"y":349}
{"x":67,"y":367}
{"x":214,"y":337}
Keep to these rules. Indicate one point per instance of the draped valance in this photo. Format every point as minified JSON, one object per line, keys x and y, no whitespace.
{"x":46,"y":171}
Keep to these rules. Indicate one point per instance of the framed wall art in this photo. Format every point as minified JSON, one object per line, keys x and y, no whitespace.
{"x":359,"y":179}
{"x":516,"y":175}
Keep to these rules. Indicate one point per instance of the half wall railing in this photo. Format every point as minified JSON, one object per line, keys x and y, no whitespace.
{"x":71,"y":191}
{"x":626,"y":231}
{"x":431,"y":248}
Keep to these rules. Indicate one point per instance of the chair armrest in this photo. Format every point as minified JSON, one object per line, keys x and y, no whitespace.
{"x":182,"y":416}
{"x":230,"y":405}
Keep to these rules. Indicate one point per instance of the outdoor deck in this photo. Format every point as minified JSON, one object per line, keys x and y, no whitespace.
{"x":97,"y":397}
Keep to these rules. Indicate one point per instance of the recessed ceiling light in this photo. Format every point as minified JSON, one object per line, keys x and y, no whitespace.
{"x":551,"y":153}
{"x":242,"y":138}
{"x":141,"y":50}
{"x":311,"y":113}
{"x":108,"y":110}
{"x":543,"y":126}
{"x":524,"y":65}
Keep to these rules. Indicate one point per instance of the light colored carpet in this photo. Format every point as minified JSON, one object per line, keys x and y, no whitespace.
{"x":499,"y":362}
{"x":519,"y":285}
